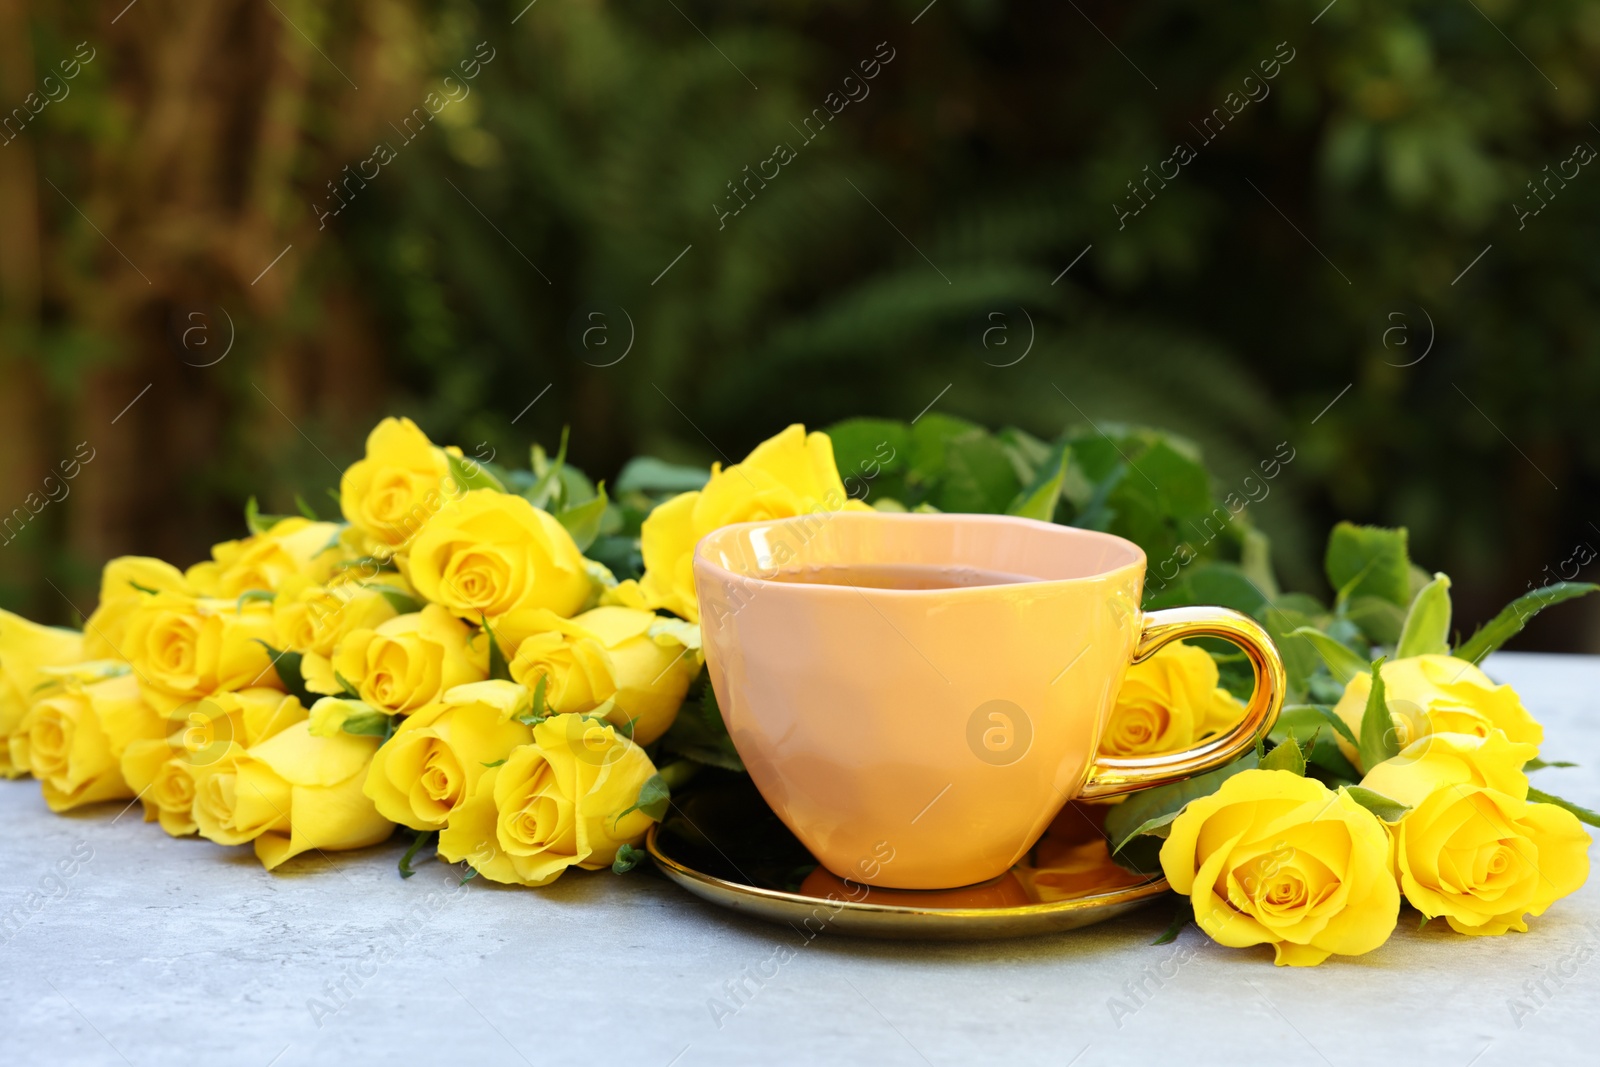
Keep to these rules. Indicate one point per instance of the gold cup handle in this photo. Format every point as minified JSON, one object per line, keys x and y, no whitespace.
{"x":1109,"y":777}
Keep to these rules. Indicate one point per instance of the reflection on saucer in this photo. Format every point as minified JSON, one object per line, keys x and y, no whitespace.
{"x":1002,"y":892}
{"x":1071,"y":860}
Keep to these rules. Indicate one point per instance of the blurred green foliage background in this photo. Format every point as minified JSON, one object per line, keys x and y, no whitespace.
{"x":954,"y":229}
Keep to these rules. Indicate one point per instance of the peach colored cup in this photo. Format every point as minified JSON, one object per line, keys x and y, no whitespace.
{"x":944,"y":728}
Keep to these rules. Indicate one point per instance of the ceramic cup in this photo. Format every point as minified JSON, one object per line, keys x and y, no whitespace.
{"x":941,"y":728}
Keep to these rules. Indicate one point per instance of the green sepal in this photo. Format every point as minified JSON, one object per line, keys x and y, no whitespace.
{"x":1124,"y":821}
{"x":371,"y":724}
{"x":654,"y":796}
{"x":402,"y":602}
{"x":1390,"y":811}
{"x":287,"y":666}
{"x":1426,"y":631}
{"x":627,"y":859}
{"x":1378,"y":741}
{"x":1287,"y":756}
{"x":548,"y":486}
{"x":411,"y":853}
{"x":253,"y":594}
{"x":470,"y":475}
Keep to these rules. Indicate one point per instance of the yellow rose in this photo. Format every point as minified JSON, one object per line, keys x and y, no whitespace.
{"x":312,"y":619}
{"x":436,"y":756}
{"x":1273,"y":858}
{"x":1472,"y":848}
{"x":161,"y":771}
{"x":1169,"y":702}
{"x":1437,"y":695}
{"x":294,"y":547}
{"x":610,"y":654}
{"x":409,"y":661}
{"x":77,"y":733}
{"x":289,"y":794}
{"x":183,"y":648}
{"x":124,"y":584}
{"x":790,"y":474}
{"x":24,"y":648}
{"x":553,"y":804}
{"x":495,"y":554}
{"x":392,"y":492}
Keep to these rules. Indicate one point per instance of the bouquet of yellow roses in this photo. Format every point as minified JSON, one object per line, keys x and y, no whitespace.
{"x":446,"y":659}
{"x":507,"y":663}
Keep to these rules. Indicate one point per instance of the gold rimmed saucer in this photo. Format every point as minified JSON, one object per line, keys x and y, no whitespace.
{"x":723,"y":844}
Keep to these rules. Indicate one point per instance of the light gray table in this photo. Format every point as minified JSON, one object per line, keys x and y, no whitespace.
{"x":178,"y":951}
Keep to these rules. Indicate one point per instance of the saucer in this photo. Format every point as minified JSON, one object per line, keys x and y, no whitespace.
{"x":722,"y":843}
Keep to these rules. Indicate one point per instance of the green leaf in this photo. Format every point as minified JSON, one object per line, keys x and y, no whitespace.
{"x":977,"y":477}
{"x":1039,"y":500}
{"x":143,"y":588}
{"x":1427,"y":627}
{"x":627,"y":859}
{"x":346,"y":686}
{"x":646,"y":474}
{"x":255,"y":521}
{"x":1343,"y":662}
{"x":698,"y":733}
{"x":583,"y":521}
{"x":499,"y":668}
{"x":287,"y":664}
{"x":495,"y":763}
{"x":1313,"y":716}
{"x":1377,"y":620}
{"x":1124,"y":820}
{"x":1390,"y":811}
{"x":1378,"y":737}
{"x":1537,"y":764}
{"x":1371,"y":561}
{"x":469,"y":474}
{"x":1515,"y":615}
{"x":1583,"y":814}
{"x":1286,"y":757}
{"x":305,"y":508}
{"x":417,"y":845}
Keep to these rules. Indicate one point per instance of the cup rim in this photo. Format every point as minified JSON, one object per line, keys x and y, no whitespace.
{"x":702,"y":563}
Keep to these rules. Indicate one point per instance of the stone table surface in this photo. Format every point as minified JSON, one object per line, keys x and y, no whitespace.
{"x":158,"y":951}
